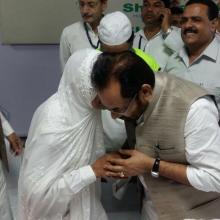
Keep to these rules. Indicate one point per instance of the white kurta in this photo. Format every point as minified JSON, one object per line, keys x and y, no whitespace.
{"x":74,"y":38}
{"x":5,"y":209}
{"x":56,"y":180}
{"x":7,"y":129}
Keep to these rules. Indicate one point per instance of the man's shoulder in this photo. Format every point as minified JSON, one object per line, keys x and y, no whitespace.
{"x":73,"y":28}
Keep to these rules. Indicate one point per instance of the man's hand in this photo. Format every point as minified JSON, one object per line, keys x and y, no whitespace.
{"x":15,"y":143}
{"x":98,"y":165}
{"x":136,"y":163}
{"x":166,"y":14}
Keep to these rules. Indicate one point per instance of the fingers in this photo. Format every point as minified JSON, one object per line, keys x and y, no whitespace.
{"x":16,"y":147}
{"x":117,"y":175}
{"x":113,"y":168}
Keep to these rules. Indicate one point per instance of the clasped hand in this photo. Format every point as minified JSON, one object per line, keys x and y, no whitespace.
{"x":122,"y":164}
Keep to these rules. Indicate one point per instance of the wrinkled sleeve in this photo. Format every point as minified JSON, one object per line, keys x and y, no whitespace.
{"x":7,"y":129}
{"x":64,"y":49}
{"x":202,"y":135}
{"x":55,"y":200}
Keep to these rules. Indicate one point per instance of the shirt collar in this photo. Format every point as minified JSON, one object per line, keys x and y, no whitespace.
{"x":211,"y":51}
{"x":141,"y":33}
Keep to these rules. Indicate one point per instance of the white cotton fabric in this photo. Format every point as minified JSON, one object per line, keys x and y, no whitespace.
{"x":56,"y":180}
{"x":74,"y":38}
{"x":5,"y":209}
{"x":6,"y":127}
{"x":114,"y":29}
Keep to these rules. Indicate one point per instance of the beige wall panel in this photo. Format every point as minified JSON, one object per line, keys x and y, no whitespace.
{"x":42,"y":21}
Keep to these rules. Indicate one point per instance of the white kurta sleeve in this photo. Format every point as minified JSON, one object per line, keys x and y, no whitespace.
{"x":65,"y":52}
{"x":7,"y":129}
{"x":202,"y":135}
{"x":54,"y":200}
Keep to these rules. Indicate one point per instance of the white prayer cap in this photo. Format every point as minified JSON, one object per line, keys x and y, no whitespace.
{"x":114,"y":29}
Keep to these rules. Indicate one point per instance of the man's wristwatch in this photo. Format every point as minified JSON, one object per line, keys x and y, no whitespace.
{"x":165,"y":34}
{"x":155,"y":168}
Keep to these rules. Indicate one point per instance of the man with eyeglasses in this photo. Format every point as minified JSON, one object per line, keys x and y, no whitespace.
{"x":177,"y":152}
{"x":82,"y":34}
{"x":116,"y":35}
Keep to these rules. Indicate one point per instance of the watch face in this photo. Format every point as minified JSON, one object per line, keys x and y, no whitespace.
{"x":154,"y":174}
{"x":155,"y":168}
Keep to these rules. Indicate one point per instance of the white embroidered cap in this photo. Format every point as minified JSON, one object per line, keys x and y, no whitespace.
{"x":114,"y":29}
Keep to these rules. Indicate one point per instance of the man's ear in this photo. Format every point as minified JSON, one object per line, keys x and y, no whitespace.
{"x":214,"y":24}
{"x":145,"y":93}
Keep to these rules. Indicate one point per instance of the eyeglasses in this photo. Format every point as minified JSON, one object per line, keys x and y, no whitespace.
{"x":125,"y":110}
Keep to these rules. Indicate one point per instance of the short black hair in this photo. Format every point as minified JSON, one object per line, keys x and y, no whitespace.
{"x":127,"y":68}
{"x":176,"y":10}
{"x":212,"y":7}
{"x":166,"y":3}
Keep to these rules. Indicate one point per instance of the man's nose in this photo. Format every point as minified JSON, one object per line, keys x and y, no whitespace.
{"x":85,"y":9}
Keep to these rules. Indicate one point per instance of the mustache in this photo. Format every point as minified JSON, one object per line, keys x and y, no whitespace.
{"x":86,"y":15}
{"x":190,"y":30}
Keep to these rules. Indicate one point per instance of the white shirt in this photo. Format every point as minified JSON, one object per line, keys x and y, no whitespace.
{"x":205,"y":70}
{"x":5,"y":209}
{"x":74,"y":38}
{"x":157,"y":46}
{"x":202,"y":136}
{"x":7,"y":129}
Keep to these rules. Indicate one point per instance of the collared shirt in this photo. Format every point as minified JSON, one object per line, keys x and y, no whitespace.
{"x":74,"y":38}
{"x":157,"y":46}
{"x":7,"y":129}
{"x":205,"y":70}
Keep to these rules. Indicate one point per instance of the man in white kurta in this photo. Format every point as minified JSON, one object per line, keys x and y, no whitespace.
{"x":82,"y":34}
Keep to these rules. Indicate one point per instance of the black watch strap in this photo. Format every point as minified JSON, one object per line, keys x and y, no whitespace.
{"x":155,"y":168}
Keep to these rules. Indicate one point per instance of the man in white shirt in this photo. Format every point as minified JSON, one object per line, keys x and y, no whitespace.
{"x":82,"y":34}
{"x":157,"y":38}
{"x":16,"y":147}
{"x":177,"y":137}
{"x":199,"y":58}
